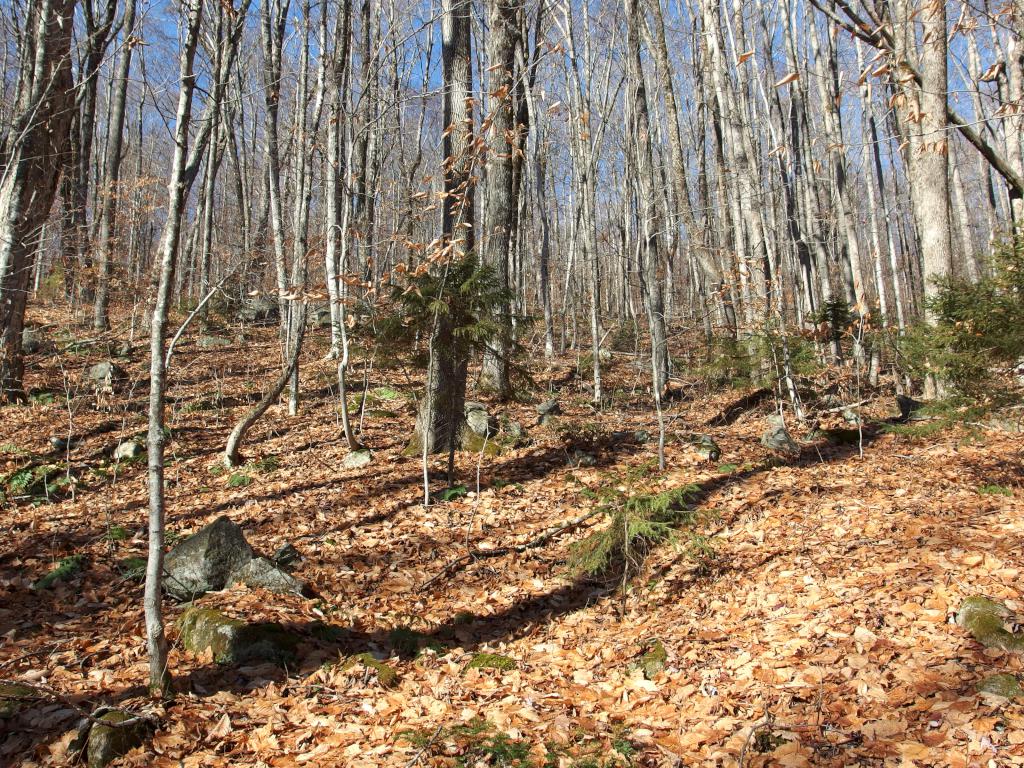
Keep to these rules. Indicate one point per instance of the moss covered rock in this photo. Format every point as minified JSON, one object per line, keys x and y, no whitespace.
{"x":233,"y":641}
{"x":983,"y":618}
{"x":1005,"y":685}
{"x":13,"y":697}
{"x":108,"y":742}
{"x":652,"y":661}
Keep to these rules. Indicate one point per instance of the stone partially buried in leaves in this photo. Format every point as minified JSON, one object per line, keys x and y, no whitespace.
{"x":109,"y":742}
{"x":357,"y":459}
{"x":205,"y":561}
{"x":263,"y":574}
{"x":128,"y":450}
{"x":479,"y":420}
{"x":232,"y":641}
{"x":776,"y":437}
{"x":547,"y":410}
{"x":105,"y":376}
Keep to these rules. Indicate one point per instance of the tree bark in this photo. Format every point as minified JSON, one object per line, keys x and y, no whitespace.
{"x":32,"y":154}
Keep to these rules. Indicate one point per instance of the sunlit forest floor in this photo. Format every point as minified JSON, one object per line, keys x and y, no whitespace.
{"x":809,"y":621}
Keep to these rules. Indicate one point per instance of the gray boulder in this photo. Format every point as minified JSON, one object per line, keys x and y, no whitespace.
{"x":549,"y":408}
{"x":580,"y":458}
{"x":264,"y":574}
{"x":777,"y":438}
{"x":33,"y":341}
{"x":479,"y":420}
{"x":206,"y":560}
{"x":260,"y":309}
{"x":233,"y":641}
{"x":321,"y":318}
{"x":128,"y":450}
{"x":548,"y":411}
{"x":213,"y":342}
{"x":706,"y":447}
{"x":357,"y":459}
{"x":105,"y":376}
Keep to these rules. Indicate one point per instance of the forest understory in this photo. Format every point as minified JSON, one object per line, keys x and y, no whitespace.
{"x":808,"y":618}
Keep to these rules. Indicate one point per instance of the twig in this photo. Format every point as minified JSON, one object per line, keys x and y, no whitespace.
{"x":47,"y":692}
{"x":480,"y":554}
{"x":424,"y":748}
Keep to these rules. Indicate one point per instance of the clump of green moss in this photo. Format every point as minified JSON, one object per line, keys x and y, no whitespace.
{"x":652,"y":660}
{"x":1004,"y":685}
{"x":13,"y":697}
{"x":386,"y":674}
{"x":68,"y":568}
{"x":491,"y":661}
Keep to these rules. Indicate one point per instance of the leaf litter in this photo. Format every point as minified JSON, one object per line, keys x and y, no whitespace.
{"x":819,"y":630}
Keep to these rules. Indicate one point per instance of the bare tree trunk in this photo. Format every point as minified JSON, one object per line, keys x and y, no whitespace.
{"x":500,"y":199}
{"x":441,"y":417}
{"x":32,"y":153}
{"x":177,"y":192}
{"x":112,"y":174}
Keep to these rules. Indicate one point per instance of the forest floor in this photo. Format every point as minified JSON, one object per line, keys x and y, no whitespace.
{"x":815,"y":628}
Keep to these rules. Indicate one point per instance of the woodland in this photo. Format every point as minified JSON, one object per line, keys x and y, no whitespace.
{"x":512,"y":383}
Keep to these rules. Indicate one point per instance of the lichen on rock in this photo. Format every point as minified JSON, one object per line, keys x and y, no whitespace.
{"x":109,"y":742}
{"x":233,"y":641}
{"x":983,"y":618}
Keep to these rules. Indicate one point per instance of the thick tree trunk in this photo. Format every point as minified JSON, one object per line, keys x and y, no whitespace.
{"x":33,"y":153}
{"x":500,"y":199}
{"x":441,"y":417}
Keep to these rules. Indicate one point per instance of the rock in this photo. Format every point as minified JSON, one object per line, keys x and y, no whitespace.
{"x":908,"y":407}
{"x":580,"y":458}
{"x":549,"y":408}
{"x":321,"y":318}
{"x":1005,"y":685}
{"x":983,"y":618}
{"x":776,"y":437}
{"x":33,"y":341}
{"x":260,"y":309}
{"x":479,"y":420}
{"x":13,"y":697}
{"x":287,"y":555}
{"x":357,"y":459}
{"x":514,"y":430}
{"x":706,"y":447}
{"x":386,"y":674}
{"x":107,"y":742}
{"x":128,"y":450}
{"x":123,"y":350}
{"x":642,"y":436}
{"x":105,"y":377}
{"x":264,"y":574}
{"x":206,"y":560}
{"x":652,"y":660}
{"x":233,"y":641}
{"x":850,"y":416}
{"x":213,"y":342}
{"x":66,"y":569}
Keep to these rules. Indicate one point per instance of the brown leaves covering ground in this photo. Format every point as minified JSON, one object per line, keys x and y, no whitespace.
{"x":823,"y":623}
